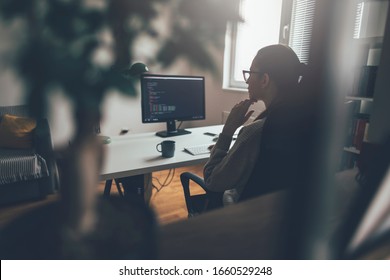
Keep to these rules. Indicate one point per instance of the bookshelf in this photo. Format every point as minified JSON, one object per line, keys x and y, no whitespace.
{"x":359,"y":109}
{"x":368,"y":41}
{"x":358,"y":123}
{"x":360,"y":103}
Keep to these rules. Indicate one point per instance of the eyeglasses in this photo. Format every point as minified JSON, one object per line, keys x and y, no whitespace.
{"x":247,"y":73}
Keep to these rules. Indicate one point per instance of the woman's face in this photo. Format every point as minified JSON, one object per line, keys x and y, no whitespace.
{"x":254,"y":82}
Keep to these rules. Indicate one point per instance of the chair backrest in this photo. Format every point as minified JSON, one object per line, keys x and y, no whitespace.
{"x":285,"y":152}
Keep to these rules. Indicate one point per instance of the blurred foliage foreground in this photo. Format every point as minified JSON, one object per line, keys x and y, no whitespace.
{"x":76,"y":45}
{"x":82,"y":49}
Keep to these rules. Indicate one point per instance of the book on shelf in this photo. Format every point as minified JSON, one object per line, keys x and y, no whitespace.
{"x":352,"y":108}
{"x":359,"y":133}
{"x":357,"y":130}
{"x":365,"y":136}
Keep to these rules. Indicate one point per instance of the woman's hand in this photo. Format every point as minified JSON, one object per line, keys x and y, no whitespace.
{"x":237,"y":117}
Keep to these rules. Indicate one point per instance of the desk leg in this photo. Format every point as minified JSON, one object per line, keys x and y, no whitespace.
{"x":133,"y":187}
{"x":138,"y":186}
{"x":118,"y":186}
{"x":107,"y":188}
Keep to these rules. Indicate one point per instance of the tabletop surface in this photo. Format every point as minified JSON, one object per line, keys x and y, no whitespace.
{"x":136,"y":154}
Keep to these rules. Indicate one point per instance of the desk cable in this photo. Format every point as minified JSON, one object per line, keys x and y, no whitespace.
{"x":167,"y":181}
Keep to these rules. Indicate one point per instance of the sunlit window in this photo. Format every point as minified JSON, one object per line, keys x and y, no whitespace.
{"x":266,"y":22}
{"x":358,"y":20}
{"x":261,"y":28}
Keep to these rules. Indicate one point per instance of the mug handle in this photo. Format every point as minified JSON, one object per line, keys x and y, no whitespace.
{"x":159,"y":144}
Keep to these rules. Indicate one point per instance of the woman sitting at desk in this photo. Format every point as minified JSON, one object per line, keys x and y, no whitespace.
{"x":270,"y":152}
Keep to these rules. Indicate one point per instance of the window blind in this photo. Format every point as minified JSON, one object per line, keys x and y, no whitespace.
{"x":301,"y":28}
{"x":358,"y":20}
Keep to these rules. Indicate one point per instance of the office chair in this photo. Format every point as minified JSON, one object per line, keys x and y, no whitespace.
{"x":266,"y":172}
{"x":286,"y":148}
{"x":199,"y":203}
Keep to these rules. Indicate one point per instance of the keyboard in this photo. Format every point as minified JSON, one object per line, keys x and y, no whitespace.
{"x":198,"y":150}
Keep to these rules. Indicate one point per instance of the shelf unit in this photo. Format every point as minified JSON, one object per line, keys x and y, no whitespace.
{"x":359,"y":98}
{"x":359,"y":111}
{"x":352,"y":150}
{"x":368,"y":44}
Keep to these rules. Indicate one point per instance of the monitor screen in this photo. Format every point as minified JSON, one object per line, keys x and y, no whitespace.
{"x":170,"y":98}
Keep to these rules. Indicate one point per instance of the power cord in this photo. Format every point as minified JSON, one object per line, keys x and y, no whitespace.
{"x":167,"y":181}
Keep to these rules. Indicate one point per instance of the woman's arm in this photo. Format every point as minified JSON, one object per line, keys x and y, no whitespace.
{"x":231,"y":169}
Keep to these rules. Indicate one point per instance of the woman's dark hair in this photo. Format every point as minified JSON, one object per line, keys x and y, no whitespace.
{"x":282,"y":65}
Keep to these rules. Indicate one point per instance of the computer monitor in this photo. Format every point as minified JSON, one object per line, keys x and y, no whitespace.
{"x":171,"y":98}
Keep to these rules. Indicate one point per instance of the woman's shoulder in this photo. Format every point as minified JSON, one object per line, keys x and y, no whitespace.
{"x":258,"y":123}
{"x":254,"y":127}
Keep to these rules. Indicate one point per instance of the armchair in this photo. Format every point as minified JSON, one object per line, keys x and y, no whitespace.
{"x":26,"y":173}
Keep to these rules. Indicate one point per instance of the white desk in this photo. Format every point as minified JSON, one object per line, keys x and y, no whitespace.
{"x":136,"y":154}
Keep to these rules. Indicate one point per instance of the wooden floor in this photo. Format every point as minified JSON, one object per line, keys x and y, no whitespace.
{"x":167,"y":203}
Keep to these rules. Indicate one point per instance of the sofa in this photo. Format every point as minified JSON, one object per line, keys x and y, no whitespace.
{"x":27,"y":167}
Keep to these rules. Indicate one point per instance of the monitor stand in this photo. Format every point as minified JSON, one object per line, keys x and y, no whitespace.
{"x":172,"y":131}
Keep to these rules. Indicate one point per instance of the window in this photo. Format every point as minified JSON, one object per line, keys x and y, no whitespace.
{"x":358,"y":20}
{"x":370,"y":19}
{"x":301,"y":28}
{"x":272,"y":21}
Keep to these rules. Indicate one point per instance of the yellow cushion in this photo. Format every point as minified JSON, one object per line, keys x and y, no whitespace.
{"x":16,"y":132}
